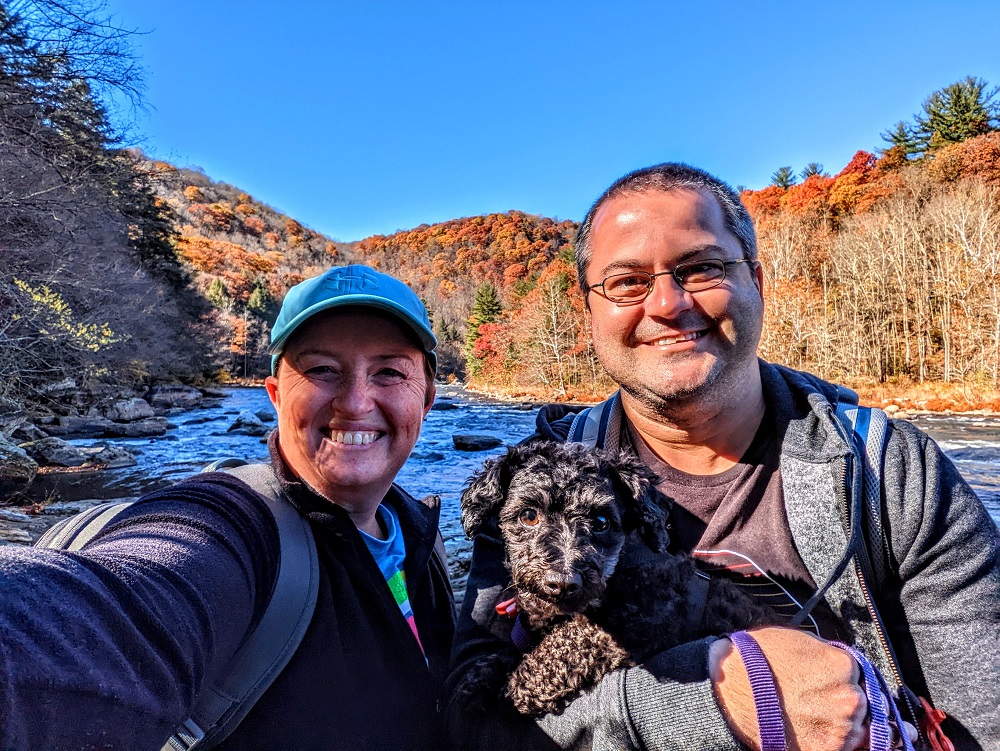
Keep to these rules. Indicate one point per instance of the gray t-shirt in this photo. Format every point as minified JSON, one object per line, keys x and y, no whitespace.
{"x":735,"y":526}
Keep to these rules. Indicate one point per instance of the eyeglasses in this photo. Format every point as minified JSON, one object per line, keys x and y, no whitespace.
{"x":696,"y":276}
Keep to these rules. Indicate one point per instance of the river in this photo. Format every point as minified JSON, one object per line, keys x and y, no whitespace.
{"x":200,"y":436}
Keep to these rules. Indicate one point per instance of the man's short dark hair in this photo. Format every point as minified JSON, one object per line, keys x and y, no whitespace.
{"x":666,"y":177}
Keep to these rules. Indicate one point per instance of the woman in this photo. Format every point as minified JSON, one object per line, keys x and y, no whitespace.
{"x":113,"y":644}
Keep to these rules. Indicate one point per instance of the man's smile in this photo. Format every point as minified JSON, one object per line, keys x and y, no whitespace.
{"x":669,"y":339}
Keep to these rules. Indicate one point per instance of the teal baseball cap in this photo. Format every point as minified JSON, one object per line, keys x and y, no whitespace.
{"x":355,"y":285}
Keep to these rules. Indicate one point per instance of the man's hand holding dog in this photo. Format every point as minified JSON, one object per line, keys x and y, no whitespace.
{"x":824,"y":706}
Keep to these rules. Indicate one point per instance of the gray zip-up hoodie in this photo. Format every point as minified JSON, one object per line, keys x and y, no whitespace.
{"x":940,"y":612}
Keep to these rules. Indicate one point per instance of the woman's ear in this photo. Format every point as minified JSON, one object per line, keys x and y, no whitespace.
{"x":429,"y":396}
{"x":271,"y":385}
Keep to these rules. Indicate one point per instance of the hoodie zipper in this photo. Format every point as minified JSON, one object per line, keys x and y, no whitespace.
{"x":866,"y":592}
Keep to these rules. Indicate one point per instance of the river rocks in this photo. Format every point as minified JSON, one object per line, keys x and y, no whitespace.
{"x":17,"y":469}
{"x":27,"y":432}
{"x":173,"y":396}
{"x":443,"y":405}
{"x":151,"y":426}
{"x":129,"y":410}
{"x":12,"y":416}
{"x":62,"y":388}
{"x":79,"y":425}
{"x":111,"y":457}
{"x":475,"y":441}
{"x":55,"y":452}
{"x":211,"y":393}
{"x":69,"y":508}
{"x":264,"y":415}
{"x":247,"y":423}
{"x":24,"y":529}
{"x":9,"y":534}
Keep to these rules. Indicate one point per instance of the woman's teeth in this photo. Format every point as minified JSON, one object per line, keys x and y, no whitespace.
{"x":353,"y":439}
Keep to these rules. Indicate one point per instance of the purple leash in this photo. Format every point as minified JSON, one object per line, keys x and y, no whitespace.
{"x":769,"y":718}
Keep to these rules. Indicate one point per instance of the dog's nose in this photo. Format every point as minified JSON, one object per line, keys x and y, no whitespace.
{"x":562,"y":585}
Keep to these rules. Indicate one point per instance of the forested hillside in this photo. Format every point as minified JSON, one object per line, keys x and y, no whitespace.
{"x":241,"y":256}
{"x":118,"y":270}
{"x":90,"y":286}
{"x":122,"y":270}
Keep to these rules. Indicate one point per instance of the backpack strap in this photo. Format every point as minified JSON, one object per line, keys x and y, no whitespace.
{"x":869,"y":428}
{"x":226,"y":700}
{"x":866,"y":430}
{"x":599,"y":425}
{"x":78,"y":530}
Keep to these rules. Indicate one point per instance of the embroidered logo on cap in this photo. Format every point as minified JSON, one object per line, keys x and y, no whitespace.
{"x":351,"y":279}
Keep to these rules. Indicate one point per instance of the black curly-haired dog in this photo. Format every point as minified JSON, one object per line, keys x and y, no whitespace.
{"x":565,"y":514}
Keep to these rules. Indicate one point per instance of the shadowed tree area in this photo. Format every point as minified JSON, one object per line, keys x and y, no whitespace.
{"x":90,"y":287}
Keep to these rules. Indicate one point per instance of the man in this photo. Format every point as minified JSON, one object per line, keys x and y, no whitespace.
{"x":763,"y":479}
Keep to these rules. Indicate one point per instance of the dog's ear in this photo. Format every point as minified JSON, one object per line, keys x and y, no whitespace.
{"x":646,"y":508}
{"x":486,"y":490}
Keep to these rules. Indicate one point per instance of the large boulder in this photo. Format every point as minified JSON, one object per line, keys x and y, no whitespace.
{"x":12,"y":416}
{"x":129,"y":410}
{"x":247,"y":423}
{"x":79,"y":425}
{"x":173,"y":396}
{"x":55,"y":452}
{"x":27,"y":432}
{"x":17,"y":469}
{"x":151,"y":426}
{"x":475,"y":441}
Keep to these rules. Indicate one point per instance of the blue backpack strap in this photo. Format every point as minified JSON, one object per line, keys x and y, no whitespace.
{"x":869,"y":428}
{"x":599,"y":425}
{"x":229,"y":696}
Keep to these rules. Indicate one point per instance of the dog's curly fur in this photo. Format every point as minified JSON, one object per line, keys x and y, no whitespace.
{"x":565,"y":513}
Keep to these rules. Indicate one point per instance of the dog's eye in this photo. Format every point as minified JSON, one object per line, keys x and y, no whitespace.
{"x":528,"y":517}
{"x":601,"y":523}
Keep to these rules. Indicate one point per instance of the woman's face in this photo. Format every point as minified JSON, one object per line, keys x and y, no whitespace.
{"x":351,"y":393}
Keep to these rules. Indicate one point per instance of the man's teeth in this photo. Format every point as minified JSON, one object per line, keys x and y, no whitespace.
{"x":353,"y":439}
{"x":675,"y":339}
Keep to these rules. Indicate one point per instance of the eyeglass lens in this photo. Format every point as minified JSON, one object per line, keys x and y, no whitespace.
{"x":692,"y":277}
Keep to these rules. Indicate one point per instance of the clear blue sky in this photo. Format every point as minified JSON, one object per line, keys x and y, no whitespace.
{"x":359,"y":118}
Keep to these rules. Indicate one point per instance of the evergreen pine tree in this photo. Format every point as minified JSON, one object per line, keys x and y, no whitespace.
{"x":811,"y":169}
{"x":783,"y":178}
{"x":903,"y":138}
{"x":963,"y":110}
{"x":218,"y":295}
{"x":261,"y":302}
{"x":486,"y":308}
